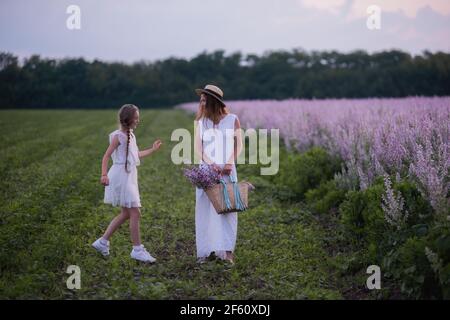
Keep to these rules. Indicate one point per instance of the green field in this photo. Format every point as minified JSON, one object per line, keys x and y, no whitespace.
{"x":52,"y":210}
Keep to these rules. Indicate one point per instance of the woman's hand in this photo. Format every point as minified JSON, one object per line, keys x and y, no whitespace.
{"x":104,"y":180}
{"x":157,"y":144}
{"x":227,"y":169}
{"x":216,"y":167}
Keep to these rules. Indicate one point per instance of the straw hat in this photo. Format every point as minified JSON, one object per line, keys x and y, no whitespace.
{"x":213,"y":91}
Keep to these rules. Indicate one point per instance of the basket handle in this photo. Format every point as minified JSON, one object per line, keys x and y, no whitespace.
{"x":226,"y":197}
{"x":237,"y":194}
{"x":239,"y":204}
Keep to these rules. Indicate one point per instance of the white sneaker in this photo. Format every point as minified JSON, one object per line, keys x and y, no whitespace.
{"x":142,"y":255}
{"x":100,"y":247}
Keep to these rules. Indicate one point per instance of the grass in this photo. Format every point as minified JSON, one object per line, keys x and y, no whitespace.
{"x":52,"y":210}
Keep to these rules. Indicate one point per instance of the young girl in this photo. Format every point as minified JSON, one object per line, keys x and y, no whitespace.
{"x":121,"y":187}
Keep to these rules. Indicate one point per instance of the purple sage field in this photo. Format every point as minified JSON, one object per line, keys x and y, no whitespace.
{"x":376,"y":172}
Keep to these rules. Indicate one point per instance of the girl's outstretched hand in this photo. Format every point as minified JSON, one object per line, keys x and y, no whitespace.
{"x":104,"y":180}
{"x":157,"y":144}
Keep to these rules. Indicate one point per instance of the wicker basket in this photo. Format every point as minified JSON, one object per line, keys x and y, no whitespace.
{"x":216,"y":196}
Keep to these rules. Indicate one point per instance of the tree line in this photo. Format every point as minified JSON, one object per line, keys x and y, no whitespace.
{"x":38,"y":82}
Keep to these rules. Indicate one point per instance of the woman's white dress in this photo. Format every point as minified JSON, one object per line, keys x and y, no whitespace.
{"x":215,"y":232}
{"x":123,"y":187}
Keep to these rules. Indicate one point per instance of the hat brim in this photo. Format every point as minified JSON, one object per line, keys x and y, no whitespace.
{"x":200,"y":91}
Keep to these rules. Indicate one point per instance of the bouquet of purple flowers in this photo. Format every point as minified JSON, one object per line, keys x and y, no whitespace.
{"x":203,"y":176}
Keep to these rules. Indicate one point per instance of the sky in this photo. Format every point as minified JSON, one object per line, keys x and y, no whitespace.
{"x":148,"y":30}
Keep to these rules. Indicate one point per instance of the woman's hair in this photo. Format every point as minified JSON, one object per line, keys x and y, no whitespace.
{"x":126,"y":116}
{"x":213,"y":110}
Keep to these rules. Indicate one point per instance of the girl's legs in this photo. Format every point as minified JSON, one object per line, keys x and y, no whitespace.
{"x":116,"y":223}
{"x":139,"y":252}
{"x":135,"y":216}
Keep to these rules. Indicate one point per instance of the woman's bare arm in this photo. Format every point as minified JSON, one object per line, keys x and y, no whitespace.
{"x":237,"y":147}
{"x":198,"y":147}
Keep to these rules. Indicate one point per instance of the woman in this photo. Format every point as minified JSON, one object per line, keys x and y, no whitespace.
{"x":218,"y":143}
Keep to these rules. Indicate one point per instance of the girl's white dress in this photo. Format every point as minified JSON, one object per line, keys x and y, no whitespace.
{"x":123,"y":187}
{"x":215,"y":232}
